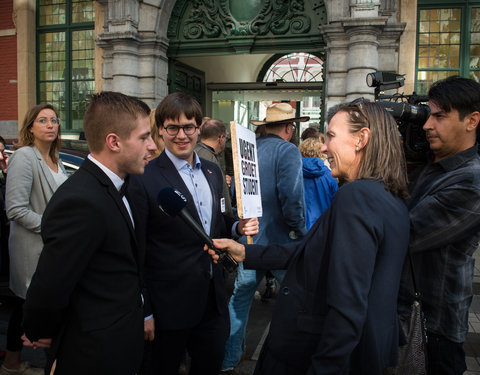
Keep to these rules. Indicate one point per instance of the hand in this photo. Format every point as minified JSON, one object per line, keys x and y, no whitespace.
{"x":228,"y":180}
{"x":235,"y":249}
{"x":248,"y":227}
{"x":149,"y":329}
{"x":3,"y":161}
{"x":41,"y":343}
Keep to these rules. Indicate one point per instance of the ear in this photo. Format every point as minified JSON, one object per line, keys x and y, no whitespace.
{"x":472,"y":121}
{"x":363,"y":137}
{"x":113,"y":142}
{"x":289,"y":129}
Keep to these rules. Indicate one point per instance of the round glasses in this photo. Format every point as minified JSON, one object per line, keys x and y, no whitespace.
{"x":187,"y":129}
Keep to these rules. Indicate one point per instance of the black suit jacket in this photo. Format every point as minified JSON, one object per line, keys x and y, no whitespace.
{"x":177,"y":270}
{"x":85,"y":293}
{"x":336,"y":312}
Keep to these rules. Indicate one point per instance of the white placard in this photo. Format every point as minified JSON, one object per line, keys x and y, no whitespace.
{"x":247,"y":178}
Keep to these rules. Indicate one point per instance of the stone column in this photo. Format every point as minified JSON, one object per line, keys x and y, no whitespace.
{"x":134,"y":47}
{"x":362,"y":58}
{"x":24,"y":18}
{"x":360,"y":39}
{"x":335,"y":73}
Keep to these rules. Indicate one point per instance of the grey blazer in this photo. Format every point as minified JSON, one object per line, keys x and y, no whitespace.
{"x":30,"y":185}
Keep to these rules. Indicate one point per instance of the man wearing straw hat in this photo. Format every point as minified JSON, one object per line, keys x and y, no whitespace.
{"x":283,"y":220}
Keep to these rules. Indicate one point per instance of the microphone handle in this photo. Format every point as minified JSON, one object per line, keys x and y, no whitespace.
{"x":224,"y":258}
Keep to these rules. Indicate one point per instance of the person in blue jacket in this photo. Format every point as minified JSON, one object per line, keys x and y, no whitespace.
{"x":319,"y":185}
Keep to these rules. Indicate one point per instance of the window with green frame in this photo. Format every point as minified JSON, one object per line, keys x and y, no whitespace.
{"x":65,"y":58}
{"x":448,"y":41}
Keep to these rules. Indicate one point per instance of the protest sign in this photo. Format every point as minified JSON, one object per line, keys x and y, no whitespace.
{"x":245,"y":166}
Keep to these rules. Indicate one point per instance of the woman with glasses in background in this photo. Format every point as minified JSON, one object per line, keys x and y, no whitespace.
{"x":34,"y":173}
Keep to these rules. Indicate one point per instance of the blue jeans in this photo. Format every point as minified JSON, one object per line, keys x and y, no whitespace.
{"x":246,"y":285}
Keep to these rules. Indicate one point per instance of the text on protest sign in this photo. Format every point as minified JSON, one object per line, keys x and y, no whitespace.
{"x":245,"y":165}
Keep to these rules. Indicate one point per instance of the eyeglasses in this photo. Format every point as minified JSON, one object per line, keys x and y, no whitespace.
{"x":187,"y":129}
{"x":44,"y":121}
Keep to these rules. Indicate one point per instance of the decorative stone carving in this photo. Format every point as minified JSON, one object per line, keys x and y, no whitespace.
{"x":364,"y":8}
{"x":214,"y":18}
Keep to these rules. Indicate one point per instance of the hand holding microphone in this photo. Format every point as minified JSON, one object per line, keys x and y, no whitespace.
{"x":235,"y":250}
{"x":173,"y":203}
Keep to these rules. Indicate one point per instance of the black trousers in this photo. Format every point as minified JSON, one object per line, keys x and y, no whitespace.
{"x":445,"y":357}
{"x":15,"y":328}
{"x":205,"y":344}
{"x":267,"y":364}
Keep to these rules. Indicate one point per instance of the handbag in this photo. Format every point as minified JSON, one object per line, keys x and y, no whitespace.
{"x":412,"y":358}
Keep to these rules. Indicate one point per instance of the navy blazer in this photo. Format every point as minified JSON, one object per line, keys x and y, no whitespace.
{"x":177,"y":269}
{"x":336,"y":312}
{"x":85,"y":293}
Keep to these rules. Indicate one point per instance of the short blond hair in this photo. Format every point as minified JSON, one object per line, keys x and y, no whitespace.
{"x":311,"y":147}
{"x":111,"y":112}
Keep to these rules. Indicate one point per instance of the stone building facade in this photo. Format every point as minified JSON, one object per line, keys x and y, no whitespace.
{"x":148,"y":48}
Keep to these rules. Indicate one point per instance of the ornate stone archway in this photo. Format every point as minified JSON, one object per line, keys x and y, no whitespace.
{"x":204,"y":27}
{"x":359,"y":36}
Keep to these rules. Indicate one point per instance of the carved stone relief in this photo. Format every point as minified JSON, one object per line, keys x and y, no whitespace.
{"x":215,"y":18}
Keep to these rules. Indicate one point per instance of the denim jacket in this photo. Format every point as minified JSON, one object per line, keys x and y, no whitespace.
{"x":281,"y":186}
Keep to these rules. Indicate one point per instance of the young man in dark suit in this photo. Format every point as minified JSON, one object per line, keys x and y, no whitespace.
{"x":85,"y":299}
{"x":185,"y":289}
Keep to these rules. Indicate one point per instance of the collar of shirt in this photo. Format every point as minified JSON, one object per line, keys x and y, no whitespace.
{"x":181,"y":163}
{"x":456,"y":160}
{"x":198,"y":186}
{"x":201,"y":144}
{"x":117,"y":181}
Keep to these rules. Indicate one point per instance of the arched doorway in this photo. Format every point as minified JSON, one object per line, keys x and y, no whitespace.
{"x":220,"y":47}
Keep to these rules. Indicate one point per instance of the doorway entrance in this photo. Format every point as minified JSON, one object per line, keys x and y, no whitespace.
{"x":248,"y":101}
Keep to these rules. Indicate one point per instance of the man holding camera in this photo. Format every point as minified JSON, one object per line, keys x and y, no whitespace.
{"x":444,"y":207}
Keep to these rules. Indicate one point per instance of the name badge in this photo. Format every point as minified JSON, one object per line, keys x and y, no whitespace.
{"x":222,"y":205}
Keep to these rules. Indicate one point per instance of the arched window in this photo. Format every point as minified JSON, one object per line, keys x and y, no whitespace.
{"x":298,"y":67}
{"x":295,"y":67}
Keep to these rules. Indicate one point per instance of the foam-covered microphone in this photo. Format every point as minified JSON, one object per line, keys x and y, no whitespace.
{"x":173,"y":203}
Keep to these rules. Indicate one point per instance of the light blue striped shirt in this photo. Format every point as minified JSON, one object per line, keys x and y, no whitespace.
{"x":197,"y":185}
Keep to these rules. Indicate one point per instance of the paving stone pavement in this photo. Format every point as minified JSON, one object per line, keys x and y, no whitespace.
{"x":246,"y":367}
{"x":472,"y":344}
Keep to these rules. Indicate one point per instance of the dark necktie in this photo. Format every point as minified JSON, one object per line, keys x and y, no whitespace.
{"x":124,"y":187}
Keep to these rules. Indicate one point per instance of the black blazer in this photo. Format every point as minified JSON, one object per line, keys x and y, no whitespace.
{"x":85,"y":293}
{"x":336,"y":312}
{"x":177,"y":270}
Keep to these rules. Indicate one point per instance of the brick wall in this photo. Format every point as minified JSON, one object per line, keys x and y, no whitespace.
{"x":6,"y":11}
{"x":8,"y":63}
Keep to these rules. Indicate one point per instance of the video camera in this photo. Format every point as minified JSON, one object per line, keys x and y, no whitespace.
{"x":408,"y":111}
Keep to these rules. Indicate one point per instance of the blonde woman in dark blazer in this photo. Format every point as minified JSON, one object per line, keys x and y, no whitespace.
{"x":34,"y":173}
